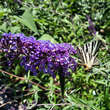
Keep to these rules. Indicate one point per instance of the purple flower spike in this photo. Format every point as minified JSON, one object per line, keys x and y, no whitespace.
{"x":38,"y":55}
{"x":91,"y":26}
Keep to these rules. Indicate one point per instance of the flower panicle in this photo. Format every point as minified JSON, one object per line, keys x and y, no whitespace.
{"x":38,"y":55}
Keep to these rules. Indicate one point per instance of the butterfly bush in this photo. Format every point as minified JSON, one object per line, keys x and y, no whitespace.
{"x":38,"y":55}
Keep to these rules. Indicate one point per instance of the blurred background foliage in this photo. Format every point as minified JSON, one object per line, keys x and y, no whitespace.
{"x":61,"y":21}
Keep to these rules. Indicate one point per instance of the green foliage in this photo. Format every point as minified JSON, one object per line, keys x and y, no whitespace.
{"x":60,"y":21}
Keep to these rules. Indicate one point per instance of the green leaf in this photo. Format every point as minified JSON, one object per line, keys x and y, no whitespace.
{"x":1,"y":14}
{"x":48,"y":37}
{"x":4,"y":27}
{"x":28,"y":20}
{"x":100,"y":82}
{"x":36,"y":96}
{"x":17,"y":69}
{"x":14,"y":29}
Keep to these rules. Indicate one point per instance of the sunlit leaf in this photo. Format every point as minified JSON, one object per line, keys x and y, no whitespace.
{"x":27,"y":20}
{"x":47,"y":37}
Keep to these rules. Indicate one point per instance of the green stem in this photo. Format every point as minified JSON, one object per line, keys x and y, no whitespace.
{"x":62,"y":82}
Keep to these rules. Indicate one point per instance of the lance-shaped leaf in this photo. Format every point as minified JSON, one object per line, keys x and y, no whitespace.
{"x":28,"y":20}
